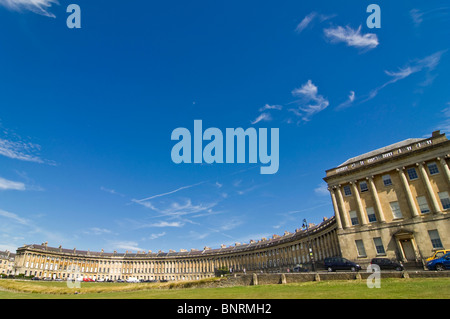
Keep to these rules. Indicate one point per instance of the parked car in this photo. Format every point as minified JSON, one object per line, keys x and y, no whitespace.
{"x":339,"y":263}
{"x":438,"y":254}
{"x":439,"y":263}
{"x":385,"y":264}
{"x":300,"y":268}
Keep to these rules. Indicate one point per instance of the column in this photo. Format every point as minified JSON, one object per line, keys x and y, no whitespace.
{"x":409,"y":197}
{"x":432,"y":196}
{"x":336,"y":208}
{"x":362,"y":213}
{"x":373,"y":189}
{"x":345,"y":222}
{"x":445,"y":169}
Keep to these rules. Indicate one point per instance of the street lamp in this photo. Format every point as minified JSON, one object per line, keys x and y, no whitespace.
{"x":311,"y":255}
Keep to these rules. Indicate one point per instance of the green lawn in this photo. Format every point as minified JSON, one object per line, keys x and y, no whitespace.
{"x":429,"y":288}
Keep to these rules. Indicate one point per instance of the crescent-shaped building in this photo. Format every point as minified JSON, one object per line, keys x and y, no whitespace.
{"x":390,"y":203}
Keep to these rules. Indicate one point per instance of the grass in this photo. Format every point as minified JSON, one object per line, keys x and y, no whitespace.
{"x":418,"y":288}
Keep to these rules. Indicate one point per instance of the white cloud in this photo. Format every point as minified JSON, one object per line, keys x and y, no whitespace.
{"x":305,"y":22}
{"x":37,"y":6}
{"x":20,"y":150}
{"x":167,"y":193}
{"x":427,"y":64}
{"x":111,"y":191}
{"x":262,"y":117}
{"x":349,"y":101}
{"x":14,"y":217}
{"x":126,"y":245}
{"x":322,"y":189}
{"x":418,"y":16}
{"x":164,"y":224}
{"x":155,"y":236}
{"x":270,"y":107}
{"x":351,"y":37}
{"x":310,"y":101}
{"x":444,"y":125}
{"x":308,"y":20}
{"x":10,"y":185}
{"x":12,"y":224}
{"x":97,"y":231}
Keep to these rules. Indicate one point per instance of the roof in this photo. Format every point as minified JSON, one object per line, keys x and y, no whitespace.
{"x":382,"y":150}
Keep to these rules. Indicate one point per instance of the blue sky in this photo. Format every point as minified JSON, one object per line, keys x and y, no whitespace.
{"x":86,"y":114}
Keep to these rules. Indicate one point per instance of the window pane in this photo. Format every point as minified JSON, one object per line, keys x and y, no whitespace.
{"x":396,"y":212}
{"x":379,"y":245}
{"x":353,"y":217}
{"x":412,"y":174}
{"x":363,"y":187}
{"x":360,"y":248}
{"x":435,"y":239}
{"x":423,"y":204}
{"x":347,"y":191}
{"x":371,"y":214}
{"x":445,"y":200}
{"x":387,"y":180}
{"x":432,"y":168}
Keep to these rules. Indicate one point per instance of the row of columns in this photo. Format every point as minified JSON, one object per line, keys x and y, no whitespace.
{"x":341,"y":214}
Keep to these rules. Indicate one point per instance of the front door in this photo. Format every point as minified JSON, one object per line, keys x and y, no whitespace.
{"x":408,"y":250}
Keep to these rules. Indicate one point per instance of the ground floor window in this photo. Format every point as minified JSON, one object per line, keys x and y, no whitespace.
{"x":379,"y":246}
{"x":435,"y":239}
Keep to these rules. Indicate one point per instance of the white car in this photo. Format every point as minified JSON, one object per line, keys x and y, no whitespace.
{"x":133,"y":280}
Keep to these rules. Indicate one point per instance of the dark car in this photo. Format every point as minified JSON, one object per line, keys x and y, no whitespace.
{"x":339,"y":263}
{"x":300,"y":268}
{"x":387,"y":264}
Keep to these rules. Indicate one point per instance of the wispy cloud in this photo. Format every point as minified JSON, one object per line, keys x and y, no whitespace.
{"x":13,"y":146}
{"x":418,"y":16}
{"x":126,"y":245}
{"x":305,"y":22}
{"x":167,"y":193}
{"x":270,"y":107}
{"x":426,"y":64}
{"x":349,"y":101}
{"x":351,"y":37}
{"x":322,"y":189}
{"x":111,"y":191}
{"x":20,"y":150}
{"x":11,"y":185}
{"x":444,"y":125}
{"x":156,"y":236}
{"x":37,"y":6}
{"x":14,"y":217}
{"x":310,"y":102}
{"x":12,"y":224}
{"x":97,"y":231}
{"x":262,"y":117}
{"x":308,"y":20}
{"x":163,"y":224}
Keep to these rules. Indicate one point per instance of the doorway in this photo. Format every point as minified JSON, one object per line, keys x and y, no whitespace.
{"x":408,"y":250}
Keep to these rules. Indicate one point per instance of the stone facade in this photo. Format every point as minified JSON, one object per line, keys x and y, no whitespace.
{"x":394,"y":202}
{"x":275,"y":254}
{"x":6,"y":263}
